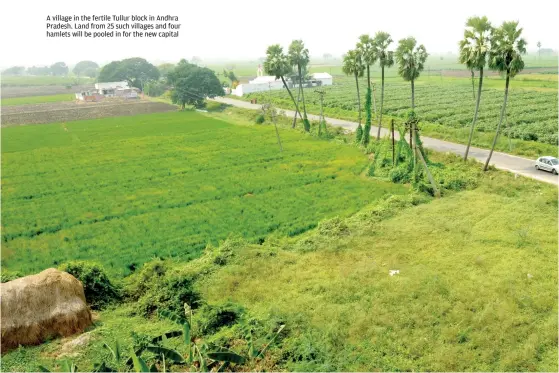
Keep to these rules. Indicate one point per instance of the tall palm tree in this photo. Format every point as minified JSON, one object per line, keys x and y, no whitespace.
{"x":411,"y":60}
{"x":386,"y":59}
{"x":353,"y":65}
{"x":366,"y":49}
{"x":507,"y":48}
{"x":474,"y":49}
{"x":299,"y":56}
{"x":278,"y":65}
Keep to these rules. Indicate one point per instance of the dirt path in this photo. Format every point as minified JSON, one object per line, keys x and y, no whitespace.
{"x":502,"y":161}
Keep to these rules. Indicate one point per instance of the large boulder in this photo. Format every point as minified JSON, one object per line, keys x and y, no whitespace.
{"x":42,"y":306}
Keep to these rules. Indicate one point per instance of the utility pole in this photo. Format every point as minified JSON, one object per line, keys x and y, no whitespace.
{"x":321,"y":93}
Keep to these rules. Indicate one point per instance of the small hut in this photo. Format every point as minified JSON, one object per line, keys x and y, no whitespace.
{"x":42,"y":306}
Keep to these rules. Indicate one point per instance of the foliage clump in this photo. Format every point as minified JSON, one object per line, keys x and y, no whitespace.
{"x":335,"y":227}
{"x":99,"y":290}
{"x":7,"y":275}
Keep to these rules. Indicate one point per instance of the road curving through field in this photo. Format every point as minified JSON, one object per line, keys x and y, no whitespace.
{"x":502,"y":161}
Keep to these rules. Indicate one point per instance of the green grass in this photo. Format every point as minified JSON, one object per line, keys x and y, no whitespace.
{"x":477,"y":288}
{"x":43,"y":80}
{"x":124,"y":190}
{"x":36,"y":99}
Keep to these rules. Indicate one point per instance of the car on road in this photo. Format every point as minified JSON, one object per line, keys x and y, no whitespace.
{"x":550,"y":164}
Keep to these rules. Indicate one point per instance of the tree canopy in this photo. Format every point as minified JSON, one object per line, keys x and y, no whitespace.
{"x":411,"y":58}
{"x":507,"y":48}
{"x":276,"y":62}
{"x":59,"y":68}
{"x":14,"y":70}
{"x":136,"y":71}
{"x":476,"y":43}
{"x":381,"y":42}
{"x":192,"y":85}
{"x":87,"y":68}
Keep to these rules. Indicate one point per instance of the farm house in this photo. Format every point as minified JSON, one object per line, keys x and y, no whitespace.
{"x":108,"y":89}
{"x":265,"y":83}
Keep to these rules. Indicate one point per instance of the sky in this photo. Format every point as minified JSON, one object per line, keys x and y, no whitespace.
{"x":241,"y":30}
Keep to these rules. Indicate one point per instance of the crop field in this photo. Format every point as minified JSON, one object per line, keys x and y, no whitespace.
{"x":69,"y":111}
{"x":29,"y":80}
{"x":125,"y":190}
{"x":37,"y":99}
{"x":531,"y":115}
{"x":42,"y":90}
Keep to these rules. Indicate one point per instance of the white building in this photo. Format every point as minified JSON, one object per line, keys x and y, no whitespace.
{"x":265,"y":83}
{"x":108,"y":89}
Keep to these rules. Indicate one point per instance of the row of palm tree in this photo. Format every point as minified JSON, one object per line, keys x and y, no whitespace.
{"x":282,"y":65}
{"x":500,"y":49}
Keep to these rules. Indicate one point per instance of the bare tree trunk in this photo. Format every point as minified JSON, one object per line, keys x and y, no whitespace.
{"x":295,"y":116}
{"x":381,"y":103}
{"x":292,"y":98}
{"x":475,"y":114}
{"x":275,"y":125}
{"x":473,"y":89}
{"x":374,"y":100}
{"x":412,"y":95}
{"x":302,"y":91}
{"x":429,"y":176}
{"x":358,"y":98}
{"x":500,"y":122}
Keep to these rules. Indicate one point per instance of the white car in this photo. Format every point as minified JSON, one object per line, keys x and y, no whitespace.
{"x":550,"y":164}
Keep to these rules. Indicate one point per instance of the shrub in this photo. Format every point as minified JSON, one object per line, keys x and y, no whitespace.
{"x":260,"y":119}
{"x":211,"y":318}
{"x":333,"y":227}
{"x":99,"y":291}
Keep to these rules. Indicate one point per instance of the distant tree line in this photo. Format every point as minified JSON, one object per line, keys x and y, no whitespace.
{"x":83,"y":68}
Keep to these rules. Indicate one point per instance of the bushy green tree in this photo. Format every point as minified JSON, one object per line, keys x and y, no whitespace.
{"x":85,"y":66}
{"x":59,"y":69}
{"x":136,"y":71}
{"x":194,"y":88}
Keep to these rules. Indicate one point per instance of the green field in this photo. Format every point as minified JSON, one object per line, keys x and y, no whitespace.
{"x":125,"y":190}
{"x":38,"y":80}
{"x":12,"y":101}
{"x":477,"y":288}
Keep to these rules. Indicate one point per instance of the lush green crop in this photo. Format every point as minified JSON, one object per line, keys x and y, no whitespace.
{"x":12,"y":101}
{"x":124,"y":190}
{"x":531,"y":115}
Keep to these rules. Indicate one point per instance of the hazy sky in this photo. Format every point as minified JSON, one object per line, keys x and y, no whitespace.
{"x":242,"y":29}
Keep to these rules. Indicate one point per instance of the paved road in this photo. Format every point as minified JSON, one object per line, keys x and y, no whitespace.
{"x":507,"y":162}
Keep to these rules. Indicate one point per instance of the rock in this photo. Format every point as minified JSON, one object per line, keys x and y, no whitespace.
{"x":42,"y":306}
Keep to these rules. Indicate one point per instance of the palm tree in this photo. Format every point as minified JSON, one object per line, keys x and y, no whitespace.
{"x":505,"y":56}
{"x":278,"y":65}
{"x":299,"y":56}
{"x":366,"y":49}
{"x":386,"y":59}
{"x":474,"y":49}
{"x":411,"y":60}
{"x":539,"y":48}
{"x":353,"y":65}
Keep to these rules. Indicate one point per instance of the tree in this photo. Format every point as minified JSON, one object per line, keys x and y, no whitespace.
{"x":193,"y":89}
{"x":59,"y":69}
{"x":196,"y":60}
{"x":505,"y":56}
{"x":539,"y":48}
{"x":411,"y":60}
{"x":299,"y":56}
{"x":164,"y":69}
{"x":385,"y":57}
{"x":327,"y":56}
{"x":474,"y":49}
{"x":181,"y":70}
{"x":278,"y":65}
{"x":353,"y":65}
{"x":367,"y":51}
{"x":136,"y":71}
{"x":83,"y":66}
{"x":14,"y":70}
{"x":38,"y":70}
